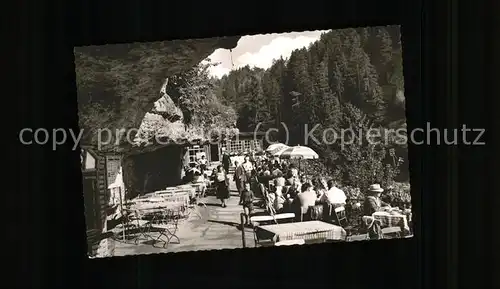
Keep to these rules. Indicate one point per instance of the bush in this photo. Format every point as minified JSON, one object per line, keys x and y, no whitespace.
{"x":352,"y":193}
{"x":317,"y":168}
{"x":398,"y":193}
{"x":363,"y":161}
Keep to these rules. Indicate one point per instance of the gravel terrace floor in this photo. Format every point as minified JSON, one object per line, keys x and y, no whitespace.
{"x":220,"y":229}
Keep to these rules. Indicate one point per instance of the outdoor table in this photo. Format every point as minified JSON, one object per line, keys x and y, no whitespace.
{"x":392,"y":220}
{"x":310,"y":230}
{"x":198,"y":186}
{"x":156,"y":211}
{"x":187,"y":188}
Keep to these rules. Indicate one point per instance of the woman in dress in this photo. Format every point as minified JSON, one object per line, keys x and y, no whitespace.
{"x":222,"y":185}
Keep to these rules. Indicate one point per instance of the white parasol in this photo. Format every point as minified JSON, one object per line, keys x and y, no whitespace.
{"x":299,"y":152}
{"x":275,"y":147}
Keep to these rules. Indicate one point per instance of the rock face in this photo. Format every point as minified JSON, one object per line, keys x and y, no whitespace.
{"x":125,"y":80}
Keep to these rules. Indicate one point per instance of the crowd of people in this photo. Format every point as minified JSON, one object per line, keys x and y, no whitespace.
{"x":279,"y":183}
{"x":283,"y":188}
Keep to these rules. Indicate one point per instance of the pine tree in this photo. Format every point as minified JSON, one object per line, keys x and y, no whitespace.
{"x":298,"y":92}
{"x":255,"y":103}
{"x":328,"y":111}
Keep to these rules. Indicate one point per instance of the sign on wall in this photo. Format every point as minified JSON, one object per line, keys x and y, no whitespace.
{"x":113,"y":164}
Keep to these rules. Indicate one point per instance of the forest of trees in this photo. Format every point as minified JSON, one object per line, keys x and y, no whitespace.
{"x":350,"y":78}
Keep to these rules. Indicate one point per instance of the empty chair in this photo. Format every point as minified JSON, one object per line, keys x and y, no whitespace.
{"x":282,"y":218}
{"x":290,"y":242}
{"x":341,"y":216}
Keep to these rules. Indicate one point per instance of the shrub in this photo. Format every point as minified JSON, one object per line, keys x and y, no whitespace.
{"x":398,"y":193}
{"x":363,"y":158}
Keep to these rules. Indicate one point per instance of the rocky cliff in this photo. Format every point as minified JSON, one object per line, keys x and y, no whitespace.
{"x":118,"y":84}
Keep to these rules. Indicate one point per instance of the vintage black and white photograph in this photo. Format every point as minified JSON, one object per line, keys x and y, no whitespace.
{"x":244,"y":141}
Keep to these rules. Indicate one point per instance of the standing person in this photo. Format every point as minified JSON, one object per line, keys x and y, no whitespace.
{"x":226,"y":161}
{"x":247,"y":167}
{"x":248,"y":197}
{"x":222,"y":186}
{"x":203,"y":164}
{"x":253,"y":159}
{"x":239,"y":179}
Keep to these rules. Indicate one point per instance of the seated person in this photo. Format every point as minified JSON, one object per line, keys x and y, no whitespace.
{"x":293,"y":189}
{"x":372,"y":202}
{"x":289,"y":179}
{"x":277,"y":172}
{"x":307,"y":198}
{"x":293,"y":170}
{"x":333,"y":195}
{"x":203,"y":183}
{"x":188,"y":176}
{"x":279,"y":181}
{"x":303,"y":180}
{"x":265,"y":178}
{"x":279,"y":199}
{"x":319,"y":187}
{"x":266,"y":171}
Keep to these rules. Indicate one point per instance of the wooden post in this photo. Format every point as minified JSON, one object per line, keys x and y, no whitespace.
{"x":243,"y":240}
{"x":121,"y":210}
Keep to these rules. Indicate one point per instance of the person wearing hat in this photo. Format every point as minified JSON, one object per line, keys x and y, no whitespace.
{"x":372,"y":202}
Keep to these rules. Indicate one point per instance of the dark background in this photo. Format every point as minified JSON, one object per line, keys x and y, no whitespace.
{"x":448,"y":66}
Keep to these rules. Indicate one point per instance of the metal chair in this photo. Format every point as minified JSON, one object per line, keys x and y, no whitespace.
{"x":341,"y":216}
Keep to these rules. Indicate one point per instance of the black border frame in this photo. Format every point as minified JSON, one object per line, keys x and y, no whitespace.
{"x":57,"y":258}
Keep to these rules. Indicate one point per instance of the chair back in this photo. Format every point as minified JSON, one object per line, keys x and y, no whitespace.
{"x":263,"y":190}
{"x":270,"y":204}
{"x":284,"y":216}
{"x":177,"y":198}
{"x":316,"y":212}
{"x":341,"y":216}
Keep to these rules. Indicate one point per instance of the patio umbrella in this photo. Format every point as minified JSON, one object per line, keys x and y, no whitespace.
{"x":299,"y":152}
{"x":275,"y":147}
{"x":277,"y":152}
